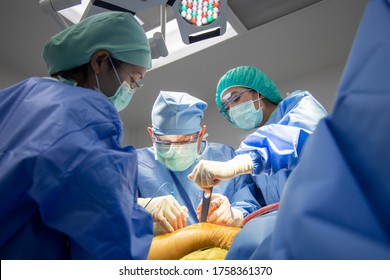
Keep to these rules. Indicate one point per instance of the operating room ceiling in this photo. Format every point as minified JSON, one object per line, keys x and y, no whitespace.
{"x":251,"y":13}
{"x":285,"y":38}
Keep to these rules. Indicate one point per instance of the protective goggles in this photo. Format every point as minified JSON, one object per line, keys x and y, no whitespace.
{"x":175,"y":139}
{"x":232,"y":98}
{"x":133,"y":83}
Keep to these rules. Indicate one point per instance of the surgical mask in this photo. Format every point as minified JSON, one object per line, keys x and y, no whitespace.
{"x":123,"y":94}
{"x":176,"y":157}
{"x":245,"y":115}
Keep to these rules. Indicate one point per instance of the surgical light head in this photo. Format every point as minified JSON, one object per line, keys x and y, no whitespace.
{"x":200,"y":20}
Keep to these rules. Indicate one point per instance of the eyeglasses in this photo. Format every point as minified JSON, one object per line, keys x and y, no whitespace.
{"x":184,"y":139}
{"x":134,"y":85}
{"x":234,"y":98}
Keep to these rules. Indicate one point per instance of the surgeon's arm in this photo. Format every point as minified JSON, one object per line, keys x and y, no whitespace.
{"x":277,"y":146}
{"x":207,"y":173}
{"x":247,"y":197}
{"x":269,"y":149}
{"x":86,"y":196}
{"x":274,"y":147}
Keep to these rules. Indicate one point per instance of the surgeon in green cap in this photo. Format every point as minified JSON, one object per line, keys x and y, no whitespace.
{"x":67,"y":184}
{"x":250,"y":101}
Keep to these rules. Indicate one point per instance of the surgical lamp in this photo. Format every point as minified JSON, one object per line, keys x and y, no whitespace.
{"x":157,"y":42}
{"x":200,"y":19}
{"x":197,"y":19}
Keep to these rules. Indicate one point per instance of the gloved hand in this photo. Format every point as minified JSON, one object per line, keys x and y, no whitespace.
{"x":221,"y":213}
{"x":207,"y":174}
{"x":177,"y":244}
{"x":167,"y":213}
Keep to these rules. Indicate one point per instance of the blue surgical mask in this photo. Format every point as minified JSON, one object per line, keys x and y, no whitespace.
{"x":245,"y":115}
{"x":176,"y":157}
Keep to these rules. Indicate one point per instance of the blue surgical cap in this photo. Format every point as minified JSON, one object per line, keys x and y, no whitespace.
{"x":177,"y":113}
{"x":117,"y":32}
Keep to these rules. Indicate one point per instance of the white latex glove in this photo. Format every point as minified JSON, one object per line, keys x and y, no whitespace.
{"x":221,"y":213}
{"x":207,"y":173}
{"x":168,"y":215}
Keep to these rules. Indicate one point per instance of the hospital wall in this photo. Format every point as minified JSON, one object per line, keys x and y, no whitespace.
{"x":322,"y":84}
{"x":9,"y":76}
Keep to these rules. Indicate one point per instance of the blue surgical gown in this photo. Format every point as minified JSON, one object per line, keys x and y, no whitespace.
{"x":275,"y":147}
{"x":336,"y":201}
{"x":67,"y":186}
{"x":254,"y":240}
{"x":241,"y":191}
{"x":345,"y":165}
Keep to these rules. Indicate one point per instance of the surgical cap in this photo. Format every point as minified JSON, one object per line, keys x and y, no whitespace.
{"x":117,"y":32}
{"x":250,"y":77}
{"x":177,"y":113}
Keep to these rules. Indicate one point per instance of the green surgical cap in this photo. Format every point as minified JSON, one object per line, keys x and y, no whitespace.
{"x":250,"y":77}
{"x":117,"y":32}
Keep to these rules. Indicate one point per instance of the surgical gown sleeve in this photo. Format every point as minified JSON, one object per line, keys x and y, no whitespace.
{"x":246,"y":197}
{"x":277,"y":145}
{"x":67,"y":185}
{"x":89,"y":198}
